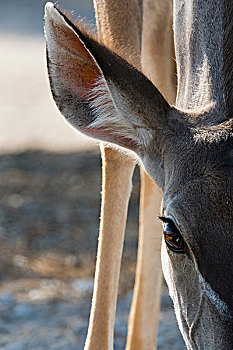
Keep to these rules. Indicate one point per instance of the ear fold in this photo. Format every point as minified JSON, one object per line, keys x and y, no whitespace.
{"x":98,"y":92}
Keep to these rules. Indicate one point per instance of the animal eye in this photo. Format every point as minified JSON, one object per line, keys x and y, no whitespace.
{"x":172,"y":236}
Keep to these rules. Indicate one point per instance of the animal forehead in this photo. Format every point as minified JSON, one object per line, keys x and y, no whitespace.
{"x":196,"y":152}
{"x":199,"y":176}
{"x":199,"y":180}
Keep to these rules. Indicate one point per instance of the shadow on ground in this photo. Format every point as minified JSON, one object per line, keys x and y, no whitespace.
{"x":49,"y":217}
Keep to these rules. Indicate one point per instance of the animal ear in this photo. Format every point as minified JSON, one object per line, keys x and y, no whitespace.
{"x":98,"y":92}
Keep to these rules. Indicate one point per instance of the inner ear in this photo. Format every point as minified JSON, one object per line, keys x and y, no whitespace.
{"x":73,"y":71}
{"x":97,"y":91}
{"x":78,"y":85}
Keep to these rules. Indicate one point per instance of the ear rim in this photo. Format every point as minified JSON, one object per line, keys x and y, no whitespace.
{"x":97,"y":133}
{"x":128,"y":143}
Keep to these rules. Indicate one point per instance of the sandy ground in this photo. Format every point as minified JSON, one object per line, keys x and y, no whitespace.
{"x":49,"y":204}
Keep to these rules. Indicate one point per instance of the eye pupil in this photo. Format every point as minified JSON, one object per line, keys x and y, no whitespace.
{"x":172,"y":236}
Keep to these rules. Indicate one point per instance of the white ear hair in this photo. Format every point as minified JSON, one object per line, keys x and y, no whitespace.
{"x":52,"y":13}
{"x":52,"y":16}
{"x":111,"y":117}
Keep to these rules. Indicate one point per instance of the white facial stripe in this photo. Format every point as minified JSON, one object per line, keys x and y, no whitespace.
{"x":214,"y":298}
{"x":220,"y":305}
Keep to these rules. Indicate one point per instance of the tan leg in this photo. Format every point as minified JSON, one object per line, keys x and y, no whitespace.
{"x":119,"y":25}
{"x":117,"y":28}
{"x":158,"y":64}
{"x":143,"y":320}
{"x":117,"y":174}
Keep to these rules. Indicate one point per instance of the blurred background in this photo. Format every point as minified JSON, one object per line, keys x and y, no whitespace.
{"x":49,"y":203}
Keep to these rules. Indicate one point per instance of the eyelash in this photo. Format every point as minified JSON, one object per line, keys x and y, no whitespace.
{"x":172,"y":236}
{"x":167,"y":221}
{"x":171,"y":223}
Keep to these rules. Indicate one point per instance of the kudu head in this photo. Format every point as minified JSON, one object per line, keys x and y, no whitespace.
{"x":187,"y":149}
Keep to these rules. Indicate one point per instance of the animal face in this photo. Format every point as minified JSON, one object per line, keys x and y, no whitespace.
{"x":197,"y":245}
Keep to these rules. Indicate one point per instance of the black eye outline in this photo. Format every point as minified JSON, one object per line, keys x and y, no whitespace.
{"x":172,"y":236}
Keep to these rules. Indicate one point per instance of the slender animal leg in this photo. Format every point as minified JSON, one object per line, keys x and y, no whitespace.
{"x":112,"y":228}
{"x":117,"y":28}
{"x":158,"y":64}
{"x":143,"y":320}
{"x":119,"y":25}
